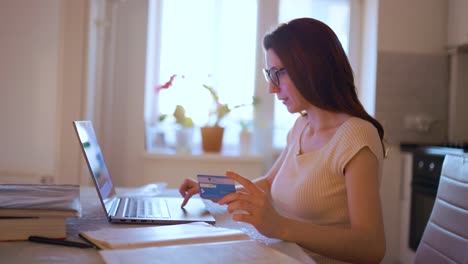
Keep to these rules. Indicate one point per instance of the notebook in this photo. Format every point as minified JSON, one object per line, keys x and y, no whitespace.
{"x":138,"y":209}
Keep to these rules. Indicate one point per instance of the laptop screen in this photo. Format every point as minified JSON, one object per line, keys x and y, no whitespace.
{"x":95,"y":160}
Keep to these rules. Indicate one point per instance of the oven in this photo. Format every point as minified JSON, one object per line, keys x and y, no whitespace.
{"x":426,"y":171}
{"x":421,"y":174}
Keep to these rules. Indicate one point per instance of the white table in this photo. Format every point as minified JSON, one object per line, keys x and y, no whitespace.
{"x":93,"y":218}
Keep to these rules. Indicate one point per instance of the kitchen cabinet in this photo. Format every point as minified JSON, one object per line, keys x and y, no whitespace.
{"x":457,"y":31}
{"x":390,"y":199}
{"x":406,"y":253}
{"x":458,"y":96}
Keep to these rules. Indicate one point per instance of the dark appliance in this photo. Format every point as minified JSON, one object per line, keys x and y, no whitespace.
{"x":427,"y":166}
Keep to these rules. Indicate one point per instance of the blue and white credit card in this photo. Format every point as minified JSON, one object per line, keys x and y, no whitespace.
{"x":215,"y":187}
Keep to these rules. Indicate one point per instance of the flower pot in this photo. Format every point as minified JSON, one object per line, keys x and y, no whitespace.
{"x":184,"y":137}
{"x":212,"y":138}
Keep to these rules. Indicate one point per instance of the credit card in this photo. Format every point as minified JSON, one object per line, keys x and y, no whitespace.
{"x":215,"y":187}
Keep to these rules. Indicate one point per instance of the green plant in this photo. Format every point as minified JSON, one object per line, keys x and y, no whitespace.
{"x":161,"y":118}
{"x":221,"y":110}
{"x":181,"y":118}
{"x":179,"y":112}
{"x":245,"y":124}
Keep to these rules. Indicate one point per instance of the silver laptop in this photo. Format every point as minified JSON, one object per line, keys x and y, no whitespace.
{"x":145,"y":210}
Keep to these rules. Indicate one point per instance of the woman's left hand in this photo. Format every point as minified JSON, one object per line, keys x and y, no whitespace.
{"x":256,"y":206}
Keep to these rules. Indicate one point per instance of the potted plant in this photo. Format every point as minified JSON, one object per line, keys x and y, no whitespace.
{"x":183,"y":125}
{"x":212,"y":135}
{"x":184,"y":130}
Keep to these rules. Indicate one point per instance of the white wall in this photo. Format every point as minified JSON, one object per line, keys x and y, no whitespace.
{"x":72,"y":88}
{"x":29,"y":55}
{"x":39,"y":51}
{"x":415,"y":26}
{"x":122,"y":125}
{"x":369,"y":28}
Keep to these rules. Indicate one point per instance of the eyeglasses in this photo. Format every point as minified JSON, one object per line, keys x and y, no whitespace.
{"x":272,"y":74}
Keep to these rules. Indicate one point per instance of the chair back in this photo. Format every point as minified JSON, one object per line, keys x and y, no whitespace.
{"x":445,"y":239}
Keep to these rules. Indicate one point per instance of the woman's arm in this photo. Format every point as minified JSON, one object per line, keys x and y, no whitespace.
{"x":364,"y":241}
{"x":189,"y":187}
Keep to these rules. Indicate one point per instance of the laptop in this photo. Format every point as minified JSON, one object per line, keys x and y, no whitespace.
{"x":138,"y":209}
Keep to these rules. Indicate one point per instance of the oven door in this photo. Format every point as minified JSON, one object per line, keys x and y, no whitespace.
{"x":422,"y":202}
{"x":422,"y":174}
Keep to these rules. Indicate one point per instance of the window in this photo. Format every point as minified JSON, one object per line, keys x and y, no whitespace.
{"x":214,"y":42}
{"x":213,"y":47}
{"x":336,"y":15}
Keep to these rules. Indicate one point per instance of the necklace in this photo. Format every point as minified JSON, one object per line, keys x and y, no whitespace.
{"x":299,"y":149}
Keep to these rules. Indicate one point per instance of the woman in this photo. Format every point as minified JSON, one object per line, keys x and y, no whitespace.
{"x":323,"y":191}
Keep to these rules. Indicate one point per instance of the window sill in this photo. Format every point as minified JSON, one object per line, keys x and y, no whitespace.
{"x":198,"y":155}
{"x":173,"y":168}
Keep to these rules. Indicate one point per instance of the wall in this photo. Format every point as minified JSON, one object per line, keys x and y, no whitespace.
{"x":72,"y":89}
{"x":121,"y":124}
{"x":412,"y":69}
{"x":28,"y":83}
{"x":40,"y":81}
{"x":366,"y":85}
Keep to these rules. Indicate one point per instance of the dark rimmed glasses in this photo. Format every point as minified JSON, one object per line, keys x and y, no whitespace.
{"x":272,"y":74}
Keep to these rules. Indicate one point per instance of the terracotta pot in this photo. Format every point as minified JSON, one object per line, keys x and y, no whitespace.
{"x":212,"y":138}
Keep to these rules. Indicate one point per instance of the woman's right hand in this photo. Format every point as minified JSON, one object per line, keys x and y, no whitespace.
{"x":187,"y":189}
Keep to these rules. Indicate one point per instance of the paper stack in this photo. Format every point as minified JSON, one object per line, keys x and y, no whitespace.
{"x":229,"y":252}
{"x":150,"y":236}
{"x":37,"y":210}
{"x":196,"y":242}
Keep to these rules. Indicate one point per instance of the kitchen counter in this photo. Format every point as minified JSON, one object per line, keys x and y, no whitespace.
{"x":441,"y":148}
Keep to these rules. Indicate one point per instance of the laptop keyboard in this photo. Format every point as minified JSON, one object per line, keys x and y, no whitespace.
{"x":146,"y":208}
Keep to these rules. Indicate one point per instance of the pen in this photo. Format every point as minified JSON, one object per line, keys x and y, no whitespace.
{"x":60,"y":242}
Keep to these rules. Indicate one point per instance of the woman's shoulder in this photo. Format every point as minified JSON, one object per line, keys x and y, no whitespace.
{"x":353,"y":135}
{"x":356,"y":124}
{"x":366,"y":133}
{"x":356,"y":133}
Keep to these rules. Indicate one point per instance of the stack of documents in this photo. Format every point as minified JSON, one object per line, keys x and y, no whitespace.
{"x":196,"y":242}
{"x":37,"y":210}
{"x":150,"y":236}
{"x":235,"y":252}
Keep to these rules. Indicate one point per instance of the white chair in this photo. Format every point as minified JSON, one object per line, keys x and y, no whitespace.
{"x":445,"y":239}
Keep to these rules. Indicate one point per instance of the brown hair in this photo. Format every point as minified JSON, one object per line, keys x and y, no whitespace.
{"x":318,"y":66}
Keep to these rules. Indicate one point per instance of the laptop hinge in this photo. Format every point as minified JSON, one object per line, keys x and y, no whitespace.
{"x":114,"y":207}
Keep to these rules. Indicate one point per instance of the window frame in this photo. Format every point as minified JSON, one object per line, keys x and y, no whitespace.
{"x":267,"y":15}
